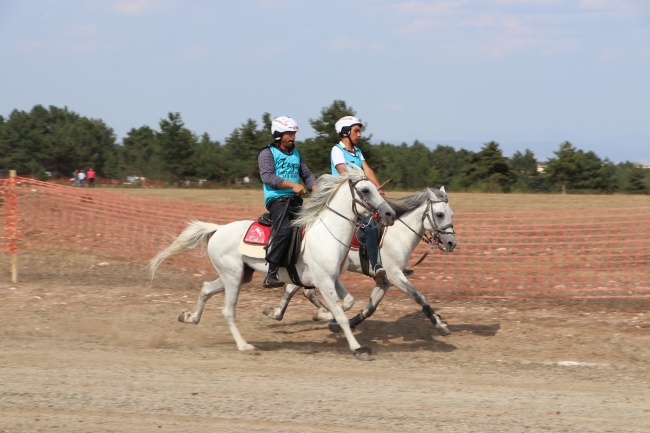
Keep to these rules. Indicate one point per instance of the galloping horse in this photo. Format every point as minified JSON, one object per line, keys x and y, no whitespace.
{"x":329,"y":219}
{"x":425,"y":211}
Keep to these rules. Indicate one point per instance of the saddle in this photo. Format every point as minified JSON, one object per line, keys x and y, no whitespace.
{"x":359,"y":244}
{"x":256,"y":239}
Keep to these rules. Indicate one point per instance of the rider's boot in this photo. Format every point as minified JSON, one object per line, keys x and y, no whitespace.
{"x":272,"y":281}
{"x":379,"y":274}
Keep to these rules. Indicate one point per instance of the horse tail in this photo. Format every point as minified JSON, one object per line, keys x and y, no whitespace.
{"x":196,"y":234}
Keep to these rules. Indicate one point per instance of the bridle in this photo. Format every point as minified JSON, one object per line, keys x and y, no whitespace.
{"x":434,"y":238}
{"x":361,"y":201}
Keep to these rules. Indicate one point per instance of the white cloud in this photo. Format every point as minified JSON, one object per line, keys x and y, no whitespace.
{"x":197,"y":51}
{"x":83,"y":30}
{"x":137,"y":7}
{"x":343,"y":43}
{"x":417,"y":26}
{"x":426,"y":8}
{"x":84,"y":47}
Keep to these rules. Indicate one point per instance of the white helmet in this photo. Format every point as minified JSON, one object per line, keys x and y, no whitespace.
{"x":344,"y":125}
{"x":283,"y":124}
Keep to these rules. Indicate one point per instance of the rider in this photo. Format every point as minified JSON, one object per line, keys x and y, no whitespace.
{"x":281,"y":168}
{"x":344,"y":153}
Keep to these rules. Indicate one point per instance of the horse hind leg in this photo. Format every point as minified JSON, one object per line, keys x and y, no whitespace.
{"x":322,"y":313}
{"x":210,"y":288}
{"x":232,"y":287}
{"x":278,"y":313}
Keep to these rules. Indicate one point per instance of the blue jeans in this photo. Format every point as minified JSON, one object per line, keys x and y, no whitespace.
{"x":372,"y":240}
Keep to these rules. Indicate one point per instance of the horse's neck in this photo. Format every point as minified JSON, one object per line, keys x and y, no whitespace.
{"x":413,"y":219}
{"x":341,"y":202}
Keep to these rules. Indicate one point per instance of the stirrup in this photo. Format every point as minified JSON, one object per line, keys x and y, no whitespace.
{"x":272,"y":281}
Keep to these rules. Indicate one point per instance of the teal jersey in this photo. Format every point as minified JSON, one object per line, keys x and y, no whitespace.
{"x":349,"y":159}
{"x":287,"y":167}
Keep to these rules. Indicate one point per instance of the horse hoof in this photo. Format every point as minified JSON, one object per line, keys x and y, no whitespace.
{"x":270,"y":313}
{"x":334,"y":327}
{"x":442,"y":329}
{"x":363,"y":353}
{"x":185,"y":317}
{"x":322,"y":315}
{"x":246,"y":347}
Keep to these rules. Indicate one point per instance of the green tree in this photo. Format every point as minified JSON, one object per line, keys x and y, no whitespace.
{"x":243,"y":145}
{"x":177,"y":145}
{"x":636,"y":180}
{"x":565,"y":167}
{"x":209,"y":160}
{"x":524,"y":166}
{"x":488,"y":168}
{"x":579,"y":170}
{"x":140,"y":154}
{"x":56,"y":140}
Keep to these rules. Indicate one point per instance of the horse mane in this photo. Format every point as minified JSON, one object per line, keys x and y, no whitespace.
{"x":413,"y":201}
{"x":327,"y":186}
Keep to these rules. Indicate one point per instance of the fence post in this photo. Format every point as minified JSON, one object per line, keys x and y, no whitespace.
{"x":11,"y":225}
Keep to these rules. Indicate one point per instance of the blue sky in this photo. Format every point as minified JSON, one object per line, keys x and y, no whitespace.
{"x":526,"y":73}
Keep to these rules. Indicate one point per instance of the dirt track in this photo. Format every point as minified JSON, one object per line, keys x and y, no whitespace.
{"x":101,"y":350}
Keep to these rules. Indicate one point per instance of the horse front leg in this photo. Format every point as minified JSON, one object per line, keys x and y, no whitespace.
{"x":278,"y":313}
{"x":328,"y":291}
{"x":323,"y":314}
{"x":375,"y":298}
{"x":210,"y":288}
{"x":402,"y":283}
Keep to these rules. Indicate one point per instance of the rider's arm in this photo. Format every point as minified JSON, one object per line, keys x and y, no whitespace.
{"x":267,"y":169}
{"x":338,"y":159}
{"x":307,"y":176}
{"x":370,"y":174}
{"x":267,"y":173}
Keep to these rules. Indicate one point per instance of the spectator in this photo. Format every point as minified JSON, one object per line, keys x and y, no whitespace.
{"x":91,"y":178}
{"x":75,"y":177}
{"x":82,"y":179}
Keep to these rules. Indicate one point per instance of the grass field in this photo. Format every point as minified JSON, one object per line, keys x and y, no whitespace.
{"x":459,"y":201}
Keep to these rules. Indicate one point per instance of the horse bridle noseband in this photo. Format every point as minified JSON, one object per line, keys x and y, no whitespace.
{"x":355,"y":201}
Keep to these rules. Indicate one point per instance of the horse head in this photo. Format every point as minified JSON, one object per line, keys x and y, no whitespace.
{"x":438,"y":219}
{"x":367,"y":201}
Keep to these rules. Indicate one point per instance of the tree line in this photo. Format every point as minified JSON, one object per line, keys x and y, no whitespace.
{"x":56,"y":141}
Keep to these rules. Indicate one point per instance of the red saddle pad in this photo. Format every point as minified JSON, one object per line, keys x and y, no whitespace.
{"x":257,"y":234}
{"x":355,"y":242}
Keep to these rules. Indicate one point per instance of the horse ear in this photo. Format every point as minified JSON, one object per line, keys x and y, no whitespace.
{"x":442,"y":188}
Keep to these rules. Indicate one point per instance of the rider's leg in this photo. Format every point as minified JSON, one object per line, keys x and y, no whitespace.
{"x":372,"y":245}
{"x":281,"y":237}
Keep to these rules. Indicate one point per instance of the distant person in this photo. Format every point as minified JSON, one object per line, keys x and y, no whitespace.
{"x":91,"y":178}
{"x":82,"y":179}
{"x":75,"y":177}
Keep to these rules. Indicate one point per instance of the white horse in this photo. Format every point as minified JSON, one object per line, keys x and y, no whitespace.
{"x":425,"y":211}
{"x":330,"y":220}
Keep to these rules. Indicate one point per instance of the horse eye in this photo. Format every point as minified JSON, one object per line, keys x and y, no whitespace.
{"x":365,"y":190}
{"x":440,"y":214}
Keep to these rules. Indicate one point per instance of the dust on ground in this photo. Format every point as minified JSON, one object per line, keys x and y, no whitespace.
{"x":89,"y":348}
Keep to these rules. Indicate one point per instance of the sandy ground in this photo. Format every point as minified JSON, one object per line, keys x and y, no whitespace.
{"x":87,"y":348}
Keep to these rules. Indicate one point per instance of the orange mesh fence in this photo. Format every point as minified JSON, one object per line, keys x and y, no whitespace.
{"x":603,"y":253}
